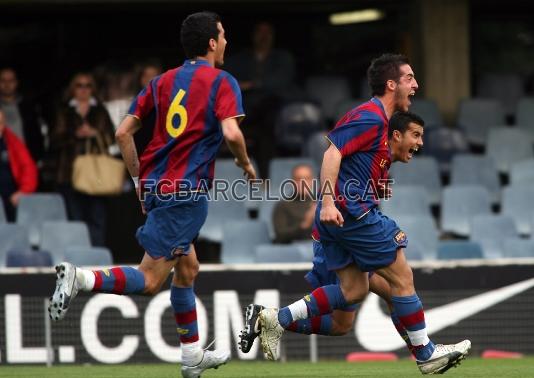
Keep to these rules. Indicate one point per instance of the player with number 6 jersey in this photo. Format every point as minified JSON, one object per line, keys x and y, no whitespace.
{"x":192,"y":109}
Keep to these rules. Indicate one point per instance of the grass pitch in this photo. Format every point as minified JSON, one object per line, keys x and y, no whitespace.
{"x":471,"y":367}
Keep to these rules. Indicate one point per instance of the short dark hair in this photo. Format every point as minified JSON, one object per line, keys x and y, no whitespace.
{"x":196,"y":32}
{"x":384,"y":68}
{"x":401,"y":120}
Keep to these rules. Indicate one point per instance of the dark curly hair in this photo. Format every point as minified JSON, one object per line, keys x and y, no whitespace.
{"x":196,"y":32}
{"x":382,"y":69}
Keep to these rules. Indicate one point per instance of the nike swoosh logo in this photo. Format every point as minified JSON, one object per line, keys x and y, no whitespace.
{"x":375,"y":331}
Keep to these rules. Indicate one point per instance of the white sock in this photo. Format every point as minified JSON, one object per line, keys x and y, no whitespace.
{"x":86,"y":279}
{"x":298,"y":310}
{"x":192,"y":353}
{"x":418,"y":338}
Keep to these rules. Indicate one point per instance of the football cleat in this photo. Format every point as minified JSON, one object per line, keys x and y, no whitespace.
{"x":444,"y":357}
{"x":270,"y":333}
{"x":212,"y":359}
{"x":66,"y":290}
{"x":252,"y":327}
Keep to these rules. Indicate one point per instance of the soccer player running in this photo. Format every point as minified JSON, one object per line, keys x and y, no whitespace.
{"x":193,"y":108}
{"x":355,"y":235}
{"x":405,"y":135}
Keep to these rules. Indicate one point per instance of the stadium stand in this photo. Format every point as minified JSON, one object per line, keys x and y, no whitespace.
{"x":315,"y":148}
{"x":3,"y":218}
{"x":476,"y":116}
{"x":428,"y":110}
{"x":265,"y":214}
{"x":19,"y":258}
{"x":508,"y":146}
{"x":13,"y":237}
{"x":506,"y":88}
{"x":81,"y":255}
{"x":423,"y":170}
{"x":459,"y":249}
{"x":469,"y":169}
{"x":522,"y":172}
{"x":443,"y":143}
{"x":329,"y":91}
{"x":490,"y":231}
{"x":422,"y":230}
{"x":240,"y":238}
{"x":295,"y":123}
{"x":280,"y":169}
{"x":269,"y":253}
{"x":516,"y":247}
{"x":220,"y":212}
{"x":517,"y":203}
{"x":56,"y":236}
{"x":225,"y":169}
{"x":524,"y":116}
{"x":414,"y":251}
{"x":406,"y":200}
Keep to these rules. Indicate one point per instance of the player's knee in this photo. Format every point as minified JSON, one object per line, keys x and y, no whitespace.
{"x":152,"y":287}
{"x":354,"y":294}
{"x":185,"y":276}
{"x":340,"y":328}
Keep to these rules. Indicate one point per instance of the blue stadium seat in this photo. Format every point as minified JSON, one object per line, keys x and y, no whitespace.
{"x":422,"y":170}
{"x":429,"y":111}
{"x":225,"y":169}
{"x":315,"y":148}
{"x":459,"y":249}
{"x":517,"y":202}
{"x":490,"y":231}
{"x":265,"y":214}
{"x":240,"y":238}
{"x":19,"y":258}
{"x":34,"y":209}
{"x":295,"y":123}
{"x":57,"y":236}
{"x":421,"y":230}
{"x":443,"y":143}
{"x":476,"y":116}
{"x":12,"y":236}
{"x":280,"y":169}
{"x":468,"y":169}
{"x":3,"y":218}
{"x":328,"y":91}
{"x":522,"y":172}
{"x":414,"y":251}
{"x":460,"y":204}
{"x":305,"y":248}
{"x":87,"y":256}
{"x":219,"y":212}
{"x":276,"y":253}
{"x":508,"y":146}
{"x":406,"y":200}
{"x":507,"y":88}
{"x":524,"y":117}
{"x":515,"y":247}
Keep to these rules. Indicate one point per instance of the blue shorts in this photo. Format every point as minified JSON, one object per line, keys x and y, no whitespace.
{"x":370,"y":242}
{"x":171,"y":226}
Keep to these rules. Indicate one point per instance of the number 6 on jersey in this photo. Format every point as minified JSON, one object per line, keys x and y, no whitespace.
{"x":176,"y":109}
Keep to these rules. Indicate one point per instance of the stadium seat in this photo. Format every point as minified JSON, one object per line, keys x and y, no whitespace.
{"x":524,"y":117}
{"x":219,"y":212}
{"x":476,"y":116}
{"x":276,"y":253}
{"x":516,"y":247}
{"x":459,"y":249}
{"x":508,"y":146}
{"x":280,"y":169}
{"x":87,"y":256}
{"x":490,"y":231}
{"x":406,"y":200}
{"x":460,"y":204}
{"x":12,"y":236}
{"x":19,"y":258}
{"x":443,"y":143}
{"x":414,"y":251}
{"x":328,"y":91}
{"x":56,"y":236}
{"x":428,"y":110}
{"x":265,"y":214}
{"x":506,"y":88}
{"x":225,"y":169}
{"x":305,"y":248}
{"x":34,"y":209}
{"x":345,"y":105}
{"x":517,"y":202}
{"x":315,"y":148}
{"x":240,"y":238}
{"x":468,"y":169}
{"x":295,"y":123}
{"x":422,"y":170}
{"x":522,"y":172}
{"x":3,"y":218}
{"x":421,"y":230}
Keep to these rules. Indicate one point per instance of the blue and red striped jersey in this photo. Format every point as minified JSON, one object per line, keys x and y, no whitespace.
{"x":361,"y":136}
{"x":186,"y":106}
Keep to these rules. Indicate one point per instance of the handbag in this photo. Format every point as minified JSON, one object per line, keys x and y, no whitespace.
{"x":98,"y":173}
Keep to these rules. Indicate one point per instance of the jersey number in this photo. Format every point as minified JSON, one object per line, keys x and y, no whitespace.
{"x":177,"y":109}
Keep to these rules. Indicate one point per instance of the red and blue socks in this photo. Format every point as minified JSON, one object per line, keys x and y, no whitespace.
{"x":409,"y":311}
{"x":402,"y":331}
{"x":321,"y":301}
{"x":118,"y":280}
{"x":319,"y":325}
{"x":185,"y":314}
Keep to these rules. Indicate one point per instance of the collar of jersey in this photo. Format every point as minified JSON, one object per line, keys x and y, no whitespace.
{"x":380,"y":105}
{"x":196,"y":62}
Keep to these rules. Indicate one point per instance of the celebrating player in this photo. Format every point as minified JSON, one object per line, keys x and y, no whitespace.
{"x":355,"y":235}
{"x":405,"y":134}
{"x":193,"y":108}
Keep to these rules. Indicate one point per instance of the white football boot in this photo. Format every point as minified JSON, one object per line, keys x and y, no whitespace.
{"x":270,"y":333}
{"x":66,"y":290}
{"x":212,"y":359}
{"x":444,"y":357}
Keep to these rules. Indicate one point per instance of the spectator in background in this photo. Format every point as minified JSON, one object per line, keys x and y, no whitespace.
{"x":83,"y":119}
{"x":266,"y":77}
{"x":18,"y":172}
{"x":293,"y":220}
{"x":21,"y":115}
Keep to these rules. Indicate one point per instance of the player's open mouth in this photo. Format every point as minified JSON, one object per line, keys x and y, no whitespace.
{"x":412,"y":151}
{"x":411,"y":94}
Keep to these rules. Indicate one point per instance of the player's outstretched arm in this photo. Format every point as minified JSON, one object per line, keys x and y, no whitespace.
{"x":236,"y":143}
{"x":329,"y":172}
{"x":125,"y":140}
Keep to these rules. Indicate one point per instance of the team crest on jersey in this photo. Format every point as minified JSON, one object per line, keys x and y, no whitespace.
{"x":182,"y":331}
{"x":400,"y":238}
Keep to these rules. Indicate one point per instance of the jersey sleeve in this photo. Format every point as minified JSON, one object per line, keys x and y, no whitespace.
{"x":228,"y":102}
{"x":143,"y":104}
{"x":355,"y":135}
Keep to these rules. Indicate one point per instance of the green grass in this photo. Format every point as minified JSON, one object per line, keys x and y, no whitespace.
{"x":472,"y":367}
